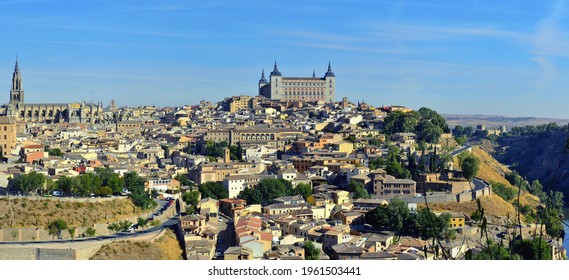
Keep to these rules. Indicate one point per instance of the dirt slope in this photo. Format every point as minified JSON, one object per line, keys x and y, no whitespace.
{"x":165,"y":248}
{"x":492,"y":170}
{"x":24,"y":212}
{"x":493,"y":205}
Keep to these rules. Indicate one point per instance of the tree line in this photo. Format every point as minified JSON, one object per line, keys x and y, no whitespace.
{"x":102,"y":182}
{"x":427,"y":124}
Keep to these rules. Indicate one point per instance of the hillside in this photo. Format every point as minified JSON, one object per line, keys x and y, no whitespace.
{"x":494,"y":207}
{"x":492,"y":171}
{"x":37,"y":212}
{"x":538,"y":157}
{"x":165,"y":248}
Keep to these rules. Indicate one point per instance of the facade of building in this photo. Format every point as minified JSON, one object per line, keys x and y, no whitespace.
{"x":236,"y":103}
{"x":7,"y":135}
{"x":298,"y":88}
{"x":50,"y":112}
{"x":129,"y":127}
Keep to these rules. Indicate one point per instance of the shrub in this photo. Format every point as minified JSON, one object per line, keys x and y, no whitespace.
{"x":504,"y":192}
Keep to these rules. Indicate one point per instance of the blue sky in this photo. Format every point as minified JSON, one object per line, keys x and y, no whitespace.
{"x":489,"y":57}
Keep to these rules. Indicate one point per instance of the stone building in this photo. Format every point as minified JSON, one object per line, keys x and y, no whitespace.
{"x":7,"y":135}
{"x":79,"y":112}
{"x":298,"y":88}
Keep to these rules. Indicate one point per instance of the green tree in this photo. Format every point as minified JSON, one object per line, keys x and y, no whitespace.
{"x":90,"y":232}
{"x":190,"y":209}
{"x":550,"y":217}
{"x":493,"y":251}
{"x":55,"y":152}
{"x":27,"y":183}
{"x":103,"y":191}
{"x":133,"y":181}
{"x":235,"y":152}
{"x":183,"y":179}
{"x":214,"y":190}
{"x":537,"y":189}
{"x":72,"y":232}
{"x":470,"y":166}
{"x":503,"y":191}
{"x":394,"y":166}
{"x":536,"y":249}
{"x":274,"y":188}
{"x":111,"y":179}
{"x":65,"y":184}
{"x":191,"y":198}
{"x":374,"y":142}
{"x":310,"y":251}
{"x":358,"y":189}
{"x":351,"y":139}
{"x":56,"y":227}
{"x":135,"y":184}
{"x":476,"y":216}
{"x":119,"y":226}
{"x":375,"y":163}
{"x":142,"y":222}
{"x":251,"y":195}
{"x":302,"y":189}
{"x":431,"y":225}
{"x":461,"y":140}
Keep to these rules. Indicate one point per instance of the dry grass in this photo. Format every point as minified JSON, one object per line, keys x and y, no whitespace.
{"x":494,"y":206}
{"x":24,"y":212}
{"x":493,"y":171}
{"x":490,"y":169}
{"x":165,"y":248}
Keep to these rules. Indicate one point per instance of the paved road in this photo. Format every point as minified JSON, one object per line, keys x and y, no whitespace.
{"x":460,"y":150}
{"x":226,"y":233}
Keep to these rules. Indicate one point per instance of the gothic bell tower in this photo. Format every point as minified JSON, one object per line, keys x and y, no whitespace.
{"x":17,"y":91}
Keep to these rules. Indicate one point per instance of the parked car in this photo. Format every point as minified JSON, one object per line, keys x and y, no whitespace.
{"x":57,"y":193}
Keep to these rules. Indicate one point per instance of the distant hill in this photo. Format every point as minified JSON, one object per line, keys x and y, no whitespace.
{"x":496,"y":121}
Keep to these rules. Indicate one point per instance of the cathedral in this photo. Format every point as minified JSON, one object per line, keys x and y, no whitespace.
{"x":50,"y":112}
{"x":298,"y":88}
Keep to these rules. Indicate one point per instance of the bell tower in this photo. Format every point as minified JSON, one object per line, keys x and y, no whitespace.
{"x":17,"y":91}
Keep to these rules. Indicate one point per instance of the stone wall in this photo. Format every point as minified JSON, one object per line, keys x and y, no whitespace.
{"x":18,"y":253}
{"x":55,"y":254}
{"x":460,"y":197}
{"x":65,"y":250}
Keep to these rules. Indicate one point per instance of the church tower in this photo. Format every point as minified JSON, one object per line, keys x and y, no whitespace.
{"x":16,"y":93}
{"x":330,"y":84}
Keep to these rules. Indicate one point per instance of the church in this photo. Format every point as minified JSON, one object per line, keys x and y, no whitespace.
{"x":49,"y":112}
{"x":298,"y":88}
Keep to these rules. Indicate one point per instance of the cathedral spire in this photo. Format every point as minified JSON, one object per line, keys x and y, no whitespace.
{"x":16,"y":68}
{"x":313,"y":73}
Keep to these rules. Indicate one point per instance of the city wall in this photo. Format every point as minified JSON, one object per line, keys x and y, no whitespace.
{"x":65,"y":250}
